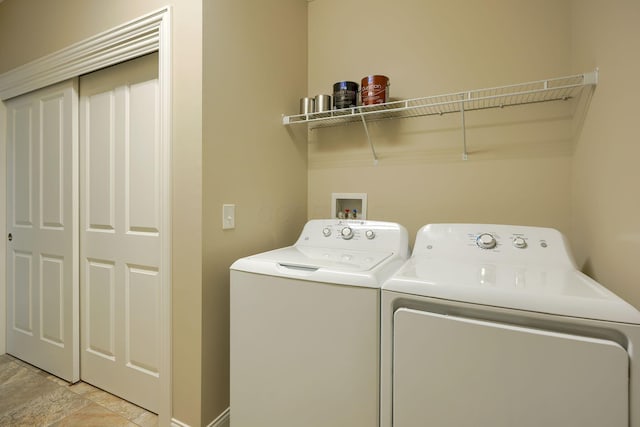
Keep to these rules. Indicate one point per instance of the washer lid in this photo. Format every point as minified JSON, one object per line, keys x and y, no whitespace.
{"x":559,"y":291}
{"x":340,"y":266}
{"x":326,"y":258}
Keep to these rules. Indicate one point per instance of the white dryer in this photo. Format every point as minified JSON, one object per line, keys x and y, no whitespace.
{"x":305,"y":326}
{"x":493,"y":326}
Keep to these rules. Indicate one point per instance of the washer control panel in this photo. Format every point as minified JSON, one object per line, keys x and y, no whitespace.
{"x":355,"y":234}
{"x":348,"y":231}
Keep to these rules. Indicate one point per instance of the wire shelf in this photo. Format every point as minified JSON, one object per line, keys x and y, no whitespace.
{"x":561,"y":88}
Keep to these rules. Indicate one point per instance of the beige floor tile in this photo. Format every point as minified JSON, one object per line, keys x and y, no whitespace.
{"x":121,"y":407}
{"x":82,"y":388}
{"x":45,"y":409}
{"x":16,"y":392}
{"x":93,"y":415}
{"x":5,"y":358}
{"x":26,"y":365}
{"x":55,"y":379}
{"x":147,"y":419}
{"x":11,"y":371}
{"x":31,"y":397}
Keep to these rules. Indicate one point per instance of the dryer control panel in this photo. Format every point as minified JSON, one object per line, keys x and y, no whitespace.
{"x":489,"y":240}
{"x":533,"y":245}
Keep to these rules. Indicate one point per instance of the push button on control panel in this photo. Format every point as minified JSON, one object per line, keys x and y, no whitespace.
{"x":519,"y":242}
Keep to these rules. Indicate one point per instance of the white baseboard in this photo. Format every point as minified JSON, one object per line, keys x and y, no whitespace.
{"x":176,"y":423}
{"x":221,"y":421}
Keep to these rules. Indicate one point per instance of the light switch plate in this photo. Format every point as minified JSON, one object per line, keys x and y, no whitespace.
{"x":228,"y":217}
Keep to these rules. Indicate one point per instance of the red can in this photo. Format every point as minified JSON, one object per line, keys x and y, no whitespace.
{"x":374,"y":90}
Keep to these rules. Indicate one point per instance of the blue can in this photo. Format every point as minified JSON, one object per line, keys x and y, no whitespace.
{"x":345,"y":95}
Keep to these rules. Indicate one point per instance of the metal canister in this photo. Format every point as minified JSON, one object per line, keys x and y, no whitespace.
{"x":322,"y":103}
{"x":345,"y":95}
{"x":306,"y":105}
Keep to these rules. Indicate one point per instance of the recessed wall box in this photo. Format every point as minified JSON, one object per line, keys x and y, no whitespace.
{"x":349,"y":205}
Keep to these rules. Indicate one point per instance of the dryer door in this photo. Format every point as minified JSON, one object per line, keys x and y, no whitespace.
{"x":451,"y":371}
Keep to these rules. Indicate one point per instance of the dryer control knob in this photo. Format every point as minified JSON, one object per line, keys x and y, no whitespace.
{"x":519,"y":242}
{"x":347,"y":233}
{"x":486,"y":241}
{"x":370,"y":234}
{"x":326,"y":232}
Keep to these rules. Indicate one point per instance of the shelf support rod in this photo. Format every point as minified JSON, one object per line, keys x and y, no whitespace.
{"x":464,"y":130}
{"x":373,"y":150}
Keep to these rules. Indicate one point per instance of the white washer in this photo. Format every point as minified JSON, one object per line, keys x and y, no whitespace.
{"x":305,"y":326}
{"x":493,"y":325}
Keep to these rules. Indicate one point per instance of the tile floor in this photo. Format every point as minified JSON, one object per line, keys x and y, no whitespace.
{"x":31,"y":397}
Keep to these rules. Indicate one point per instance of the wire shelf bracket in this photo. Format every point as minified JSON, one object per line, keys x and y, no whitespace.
{"x":373,"y":149}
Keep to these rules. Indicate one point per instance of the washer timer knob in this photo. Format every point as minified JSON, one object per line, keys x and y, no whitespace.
{"x":486,"y":241}
{"x":347,"y":233}
{"x":370,"y":234}
{"x":326,"y":232}
{"x":519,"y":242}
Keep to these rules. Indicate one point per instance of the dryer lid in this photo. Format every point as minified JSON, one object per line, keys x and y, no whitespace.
{"x":553,"y":290}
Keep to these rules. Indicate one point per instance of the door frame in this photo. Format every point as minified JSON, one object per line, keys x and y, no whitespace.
{"x":146,"y":34}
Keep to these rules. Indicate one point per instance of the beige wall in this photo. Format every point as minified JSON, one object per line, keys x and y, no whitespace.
{"x":30,"y":29}
{"x":527,"y":165}
{"x":606,"y":175}
{"x":254,"y":71}
{"x":519,"y":164}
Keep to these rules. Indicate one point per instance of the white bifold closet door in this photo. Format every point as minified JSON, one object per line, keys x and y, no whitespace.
{"x":42,"y":227}
{"x":120,"y":246}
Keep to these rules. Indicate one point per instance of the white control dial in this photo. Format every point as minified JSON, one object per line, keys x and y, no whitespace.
{"x":326,"y":232}
{"x":486,"y":241}
{"x":519,"y":242}
{"x":347,"y":233}
{"x":370,"y":234}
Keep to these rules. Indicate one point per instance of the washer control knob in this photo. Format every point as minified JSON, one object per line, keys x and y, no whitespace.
{"x":486,"y":241}
{"x":347,"y":233}
{"x":519,"y":242}
{"x":326,"y":232}
{"x":370,"y":234}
